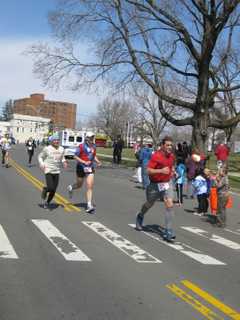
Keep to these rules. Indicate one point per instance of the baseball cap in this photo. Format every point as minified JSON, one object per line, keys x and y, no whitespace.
{"x":53,"y":137}
{"x":90,"y":134}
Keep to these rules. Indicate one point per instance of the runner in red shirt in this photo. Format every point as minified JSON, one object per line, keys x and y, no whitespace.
{"x":160,"y":171}
{"x":85,"y":157}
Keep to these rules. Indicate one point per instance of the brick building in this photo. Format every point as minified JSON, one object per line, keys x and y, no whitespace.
{"x":62,"y":114}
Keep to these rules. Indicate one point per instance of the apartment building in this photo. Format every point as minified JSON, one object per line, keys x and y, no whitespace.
{"x":62,"y":114}
{"x":21,"y":127}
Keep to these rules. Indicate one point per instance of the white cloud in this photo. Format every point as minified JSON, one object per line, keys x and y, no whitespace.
{"x":17,"y":80}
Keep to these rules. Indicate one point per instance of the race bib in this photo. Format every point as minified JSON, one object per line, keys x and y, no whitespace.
{"x":87,"y":169}
{"x":29,"y":148}
{"x":162,"y":186}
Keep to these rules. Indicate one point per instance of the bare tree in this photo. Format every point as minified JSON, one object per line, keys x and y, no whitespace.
{"x":150,"y":122}
{"x":112,"y":117}
{"x":158,"y":42}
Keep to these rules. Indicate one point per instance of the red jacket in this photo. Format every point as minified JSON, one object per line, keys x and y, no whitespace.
{"x":222,"y":152}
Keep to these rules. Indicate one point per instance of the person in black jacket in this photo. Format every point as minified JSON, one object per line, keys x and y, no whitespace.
{"x":117,"y":150}
{"x":30,"y":145}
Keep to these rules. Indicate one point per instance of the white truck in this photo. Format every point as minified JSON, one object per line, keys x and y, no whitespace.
{"x":70,"y":140}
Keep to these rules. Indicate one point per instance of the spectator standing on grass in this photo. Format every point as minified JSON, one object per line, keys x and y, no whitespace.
{"x":200,"y":189}
{"x":138,"y":174}
{"x":222,"y":184}
{"x":186,"y":150}
{"x":191,"y":167}
{"x":117,"y":150}
{"x":222,"y":153}
{"x":180,"y":179}
{"x":144,"y":156}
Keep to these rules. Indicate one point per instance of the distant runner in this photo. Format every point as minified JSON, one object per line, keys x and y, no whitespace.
{"x":30,"y":145}
{"x":6,"y":146}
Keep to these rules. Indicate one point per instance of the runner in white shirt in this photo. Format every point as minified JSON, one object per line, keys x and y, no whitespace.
{"x":6,"y":146}
{"x":50,"y":160}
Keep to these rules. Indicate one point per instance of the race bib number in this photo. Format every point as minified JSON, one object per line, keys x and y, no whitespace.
{"x":87,"y":169}
{"x":29,"y":148}
{"x":162,"y":186}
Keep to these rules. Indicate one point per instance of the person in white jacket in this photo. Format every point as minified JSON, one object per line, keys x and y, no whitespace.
{"x":50,"y":160}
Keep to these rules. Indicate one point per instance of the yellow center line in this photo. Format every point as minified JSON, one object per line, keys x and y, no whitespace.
{"x":213,"y":301}
{"x":38,"y":184}
{"x":35,"y":182}
{"x":197,"y":305}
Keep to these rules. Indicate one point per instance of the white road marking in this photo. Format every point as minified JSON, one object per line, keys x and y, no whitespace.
{"x":68,"y":249}
{"x":6,"y":249}
{"x":122,"y":244}
{"x":234,"y":232}
{"x":213,"y":237}
{"x":183,"y":248}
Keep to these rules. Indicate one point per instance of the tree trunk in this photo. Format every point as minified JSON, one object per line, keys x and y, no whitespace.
{"x":199,"y":134}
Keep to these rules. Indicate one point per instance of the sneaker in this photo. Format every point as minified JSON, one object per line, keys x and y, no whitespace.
{"x":44,"y":193}
{"x":90,"y":209}
{"x":70,"y":191}
{"x":46,"y":205}
{"x":139,"y":221}
{"x":198,"y":213}
{"x":168,"y":235}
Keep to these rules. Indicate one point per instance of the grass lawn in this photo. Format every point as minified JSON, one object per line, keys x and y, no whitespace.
{"x":234,"y":159}
{"x":234,"y":163}
{"x":126,"y":153}
{"x":234,"y":182}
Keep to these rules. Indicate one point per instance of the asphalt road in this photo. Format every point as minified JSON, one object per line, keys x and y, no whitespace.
{"x":67,"y":264}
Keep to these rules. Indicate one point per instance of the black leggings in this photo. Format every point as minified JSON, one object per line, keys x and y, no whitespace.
{"x":3,"y":156}
{"x":30,"y":155}
{"x":52,"y":180}
{"x":202,"y":203}
{"x":179,"y":189}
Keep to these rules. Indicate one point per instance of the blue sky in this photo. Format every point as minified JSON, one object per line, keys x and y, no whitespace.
{"x":24,"y":18}
{"x":23,"y":23}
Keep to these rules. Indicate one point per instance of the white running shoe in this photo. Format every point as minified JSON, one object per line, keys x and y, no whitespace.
{"x":70,"y":191}
{"x":90,"y":209}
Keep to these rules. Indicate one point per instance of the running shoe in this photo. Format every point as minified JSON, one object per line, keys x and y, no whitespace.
{"x":168,"y":235}
{"x":90,"y":209}
{"x":139,"y":221}
{"x":44,"y":193}
{"x":70,"y":191}
{"x":46,"y":205}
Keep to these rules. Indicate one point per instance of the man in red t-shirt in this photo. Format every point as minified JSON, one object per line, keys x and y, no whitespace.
{"x":160,"y":170}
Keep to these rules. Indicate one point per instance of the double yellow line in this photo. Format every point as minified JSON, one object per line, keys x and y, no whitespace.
{"x":197,"y":305}
{"x":39,"y":185}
